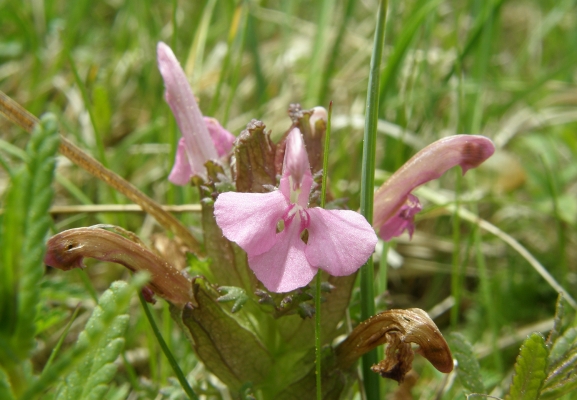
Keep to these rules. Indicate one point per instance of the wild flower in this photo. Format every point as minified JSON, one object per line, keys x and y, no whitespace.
{"x":271,"y":228}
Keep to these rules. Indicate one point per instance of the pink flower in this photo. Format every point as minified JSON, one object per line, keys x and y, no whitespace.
{"x":202,"y":139}
{"x":395,"y":206}
{"x":339,"y":241}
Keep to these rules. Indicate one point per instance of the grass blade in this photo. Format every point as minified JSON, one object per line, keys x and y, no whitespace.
{"x":370,"y":379}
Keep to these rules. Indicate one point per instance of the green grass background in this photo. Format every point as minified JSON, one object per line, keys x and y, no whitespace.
{"x":504,"y":69}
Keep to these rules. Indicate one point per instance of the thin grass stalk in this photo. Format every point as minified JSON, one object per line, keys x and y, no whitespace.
{"x":173,"y":363}
{"x":370,"y":379}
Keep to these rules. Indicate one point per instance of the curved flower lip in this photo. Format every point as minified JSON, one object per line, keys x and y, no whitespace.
{"x":392,"y":198}
{"x":339,"y":241}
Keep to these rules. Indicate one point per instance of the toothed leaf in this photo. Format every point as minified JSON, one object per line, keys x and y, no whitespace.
{"x":529,"y":369}
{"x":468,"y":369}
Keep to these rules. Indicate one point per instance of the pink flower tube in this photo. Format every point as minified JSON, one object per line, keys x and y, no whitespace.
{"x":203,"y":138}
{"x":395,"y":206}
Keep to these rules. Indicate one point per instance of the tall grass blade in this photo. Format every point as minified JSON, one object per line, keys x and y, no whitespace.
{"x":370,"y":379}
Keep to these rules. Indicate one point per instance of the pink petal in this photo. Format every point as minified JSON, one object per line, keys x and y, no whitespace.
{"x":284,"y":267}
{"x":250,"y":219}
{"x":396,"y":225}
{"x":340,"y":241}
{"x":199,"y":146}
{"x":296,"y":177}
{"x":468,"y":151}
{"x":222,"y":139}
{"x":181,"y":172}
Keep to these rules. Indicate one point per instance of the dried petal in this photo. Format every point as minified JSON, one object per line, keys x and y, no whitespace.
{"x":397,"y":328}
{"x":67,"y":249}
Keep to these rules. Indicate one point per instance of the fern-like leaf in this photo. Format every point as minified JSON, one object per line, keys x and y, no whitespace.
{"x":468,"y":369}
{"x":91,"y":358}
{"x":529,"y":369}
{"x":41,"y":152}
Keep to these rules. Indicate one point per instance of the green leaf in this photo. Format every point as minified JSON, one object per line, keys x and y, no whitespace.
{"x":231,"y":351}
{"x":91,"y":358}
{"x":5,"y":390}
{"x":529,"y":369}
{"x":90,"y":380}
{"x":468,"y":369}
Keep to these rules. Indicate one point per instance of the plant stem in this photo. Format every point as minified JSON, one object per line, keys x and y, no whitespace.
{"x":370,"y":379}
{"x":172,"y":361}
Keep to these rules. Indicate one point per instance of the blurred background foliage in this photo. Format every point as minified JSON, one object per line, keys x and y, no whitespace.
{"x":500,"y":68}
